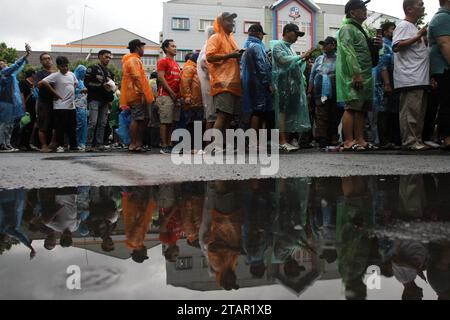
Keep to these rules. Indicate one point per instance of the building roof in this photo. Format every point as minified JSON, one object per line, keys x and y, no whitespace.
{"x":309,"y":3}
{"x":117,"y":37}
{"x":228,"y":3}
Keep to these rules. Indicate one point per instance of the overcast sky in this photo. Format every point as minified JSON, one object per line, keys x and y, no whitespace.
{"x":46,"y":22}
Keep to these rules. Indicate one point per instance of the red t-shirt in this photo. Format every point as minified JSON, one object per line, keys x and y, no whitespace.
{"x":173,"y":72}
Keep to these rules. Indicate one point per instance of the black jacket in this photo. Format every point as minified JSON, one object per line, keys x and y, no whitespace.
{"x":96,"y":77}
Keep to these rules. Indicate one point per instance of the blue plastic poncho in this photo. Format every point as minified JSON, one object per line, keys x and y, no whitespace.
{"x":11,"y":104}
{"x":288,"y":81}
{"x":256,"y":77}
{"x":80,"y":73}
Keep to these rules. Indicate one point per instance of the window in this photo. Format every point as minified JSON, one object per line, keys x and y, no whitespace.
{"x":149,"y":61}
{"x":248,"y":24}
{"x":333,"y":31}
{"x":180,"y":24}
{"x":205,"y":24}
{"x":181,"y":54}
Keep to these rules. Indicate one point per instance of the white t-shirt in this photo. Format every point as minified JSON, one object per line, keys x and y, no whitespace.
{"x":412,"y":64}
{"x":65,"y":85}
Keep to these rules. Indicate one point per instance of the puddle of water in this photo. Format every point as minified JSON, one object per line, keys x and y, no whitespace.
{"x":327,"y":238}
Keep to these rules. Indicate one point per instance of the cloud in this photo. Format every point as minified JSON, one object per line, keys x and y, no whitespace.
{"x":43,"y":23}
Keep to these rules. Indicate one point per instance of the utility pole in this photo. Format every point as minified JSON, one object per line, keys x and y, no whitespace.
{"x":82,"y":27}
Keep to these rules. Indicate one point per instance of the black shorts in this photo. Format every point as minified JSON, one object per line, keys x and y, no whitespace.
{"x":45,"y":116}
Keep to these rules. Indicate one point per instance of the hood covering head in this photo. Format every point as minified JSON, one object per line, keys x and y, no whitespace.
{"x":218,"y":29}
{"x":80,"y":74}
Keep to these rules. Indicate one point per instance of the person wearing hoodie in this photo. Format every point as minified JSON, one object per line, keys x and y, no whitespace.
{"x":256,"y":77}
{"x":136,"y":93}
{"x":223,"y":57}
{"x":11,"y":104}
{"x":81,"y":106}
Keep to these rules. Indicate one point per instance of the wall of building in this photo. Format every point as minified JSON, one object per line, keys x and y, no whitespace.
{"x":194,"y":39}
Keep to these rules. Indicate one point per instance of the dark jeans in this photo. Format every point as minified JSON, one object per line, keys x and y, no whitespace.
{"x":66,"y":124}
{"x":328,"y":117}
{"x":443,"y":81}
{"x":389,"y":128}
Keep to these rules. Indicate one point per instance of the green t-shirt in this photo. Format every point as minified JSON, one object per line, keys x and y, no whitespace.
{"x":439,"y":27}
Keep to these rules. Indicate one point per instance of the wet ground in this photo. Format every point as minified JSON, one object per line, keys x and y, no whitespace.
{"x":348,"y":237}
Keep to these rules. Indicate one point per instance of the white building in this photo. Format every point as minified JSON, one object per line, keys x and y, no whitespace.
{"x":185,"y":20}
{"x":115,"y":41}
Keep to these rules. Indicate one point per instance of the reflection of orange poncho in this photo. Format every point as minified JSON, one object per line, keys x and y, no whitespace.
{"x":137,"y":216}
{"x":225,"y":75}
{"x":224,"y":246}
{"x":192,"y":217}
{"x":135,"y":85}
{"x":190,"y":85}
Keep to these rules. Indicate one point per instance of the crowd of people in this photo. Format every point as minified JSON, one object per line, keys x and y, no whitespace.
{"x":288,"y":228}
{"x":388,"y":92}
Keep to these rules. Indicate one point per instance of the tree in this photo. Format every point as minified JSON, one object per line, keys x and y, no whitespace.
{"x":8,"y":54}
{"x":421,"y":21}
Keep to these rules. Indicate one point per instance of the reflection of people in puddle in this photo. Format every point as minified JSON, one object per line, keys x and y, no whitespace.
{"x":12,"y":205}
{"x":224,"y":246}
{"x":354,"y":219}
{"x":325,"y":192}
{"x":439,"y":271}
{"x":104,"y":203}
{"x":170,"y":221}
{"x":193,"y":198}
{"x":257,"y":228}
{"x":291,"y":241}
{"x":138,"y":207}
{"x":57,"y":214}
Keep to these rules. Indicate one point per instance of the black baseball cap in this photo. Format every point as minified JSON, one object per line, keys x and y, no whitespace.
{"x":355,"y":4}
{"x":328,"y":40}
{"x":135,"y":44}
{"x":292,"y":27}
{"x":256,"y":28}
{"x":228,"y":15}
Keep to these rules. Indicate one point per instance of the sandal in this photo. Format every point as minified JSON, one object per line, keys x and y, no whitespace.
{"x":354,"y":148}
{"x":371,"y":147}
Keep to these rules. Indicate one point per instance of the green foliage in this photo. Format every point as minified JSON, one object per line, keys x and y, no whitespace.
{"x":117,"y":73}
{"x":8,"y":54}
{"x":6,"y":245}
{"x":316,"y":53}
{"x":421,"y":22}
{"x":371,"y":32}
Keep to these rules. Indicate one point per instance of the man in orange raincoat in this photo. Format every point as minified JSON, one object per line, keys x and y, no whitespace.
{"x":222,"y":55}
{"x":136,"y":93}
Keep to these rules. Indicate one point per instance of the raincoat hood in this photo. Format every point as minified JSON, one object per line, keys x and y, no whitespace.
{"x":80,"y":72}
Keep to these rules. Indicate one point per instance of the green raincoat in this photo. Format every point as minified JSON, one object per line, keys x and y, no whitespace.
{"x":353,"y":57}
{"x":289,"y":88}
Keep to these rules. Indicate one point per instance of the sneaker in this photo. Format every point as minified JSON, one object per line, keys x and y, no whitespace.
{"x":33,"y":147}
{"x":166,"y":150}
{"x":288,"y":148}
{"x":418,"y":147}
{"x":432,"y":144}
{"x":60,"y":150}
{"x":90,"y":149}
{"x":295,"y":143}
{"x":101,"y":148}
{"x":5,"y":149}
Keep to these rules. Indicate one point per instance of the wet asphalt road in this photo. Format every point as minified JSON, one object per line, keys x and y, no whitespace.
{"x":34,"y":170}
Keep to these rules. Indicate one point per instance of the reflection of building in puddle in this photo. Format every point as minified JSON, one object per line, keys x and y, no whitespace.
{"x":191,"y":271}
{"x":120,"y":252}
